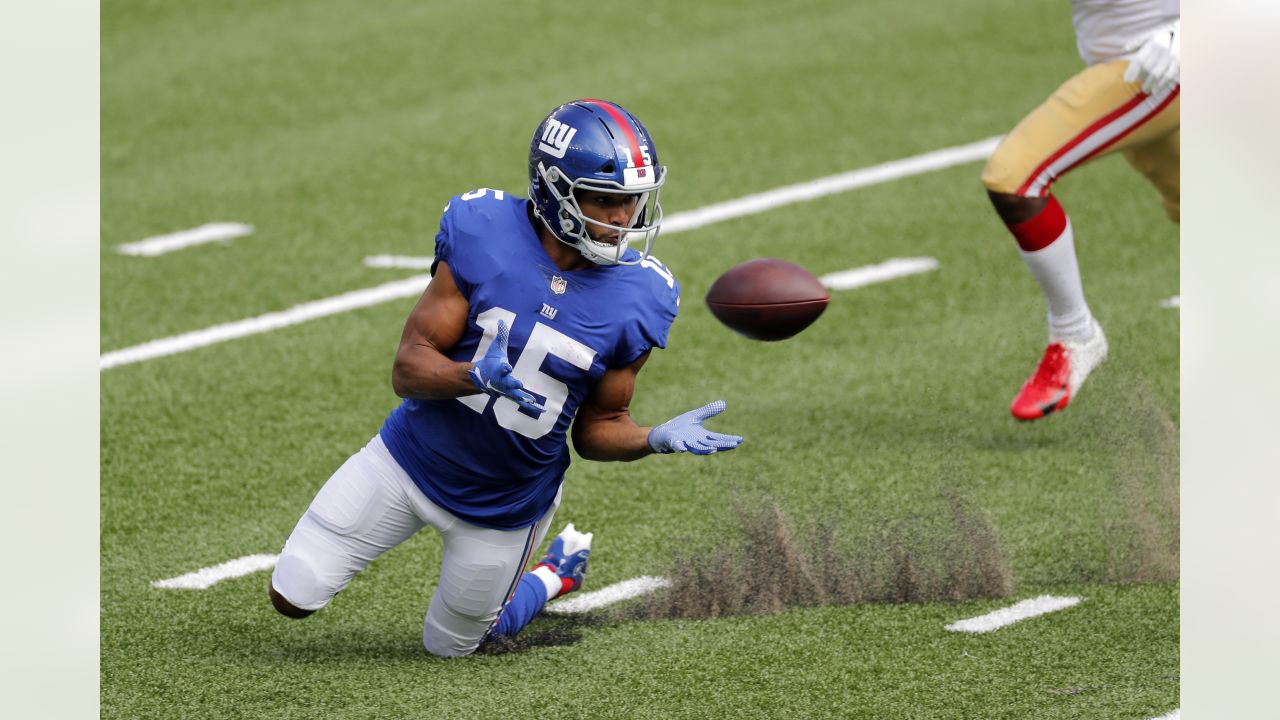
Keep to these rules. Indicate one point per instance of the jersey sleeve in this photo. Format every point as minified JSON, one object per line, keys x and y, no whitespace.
{"x":444,"y":248}
{"x":655,"y":303}
{"x":460,"y":243}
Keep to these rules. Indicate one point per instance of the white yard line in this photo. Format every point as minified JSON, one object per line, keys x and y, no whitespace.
{"x":1173,"y":302}
{"x":678,"y":222}
{"x":608,"y":595}
{"x":408,"y":287}
{"x":207,"y":233}
{"x":843,"y":182}
{"x":1019,"y":611}
{"x":411,"y":262}
{"x":870,"y":274}
{"x":1172,"y":715}
{"x":207,"y":577}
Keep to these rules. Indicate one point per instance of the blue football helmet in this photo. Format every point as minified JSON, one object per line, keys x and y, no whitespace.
{"x":595,"y":145}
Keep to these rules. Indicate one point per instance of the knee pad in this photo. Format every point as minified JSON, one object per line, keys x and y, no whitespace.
{"x":296,"y":581}
{"x":455,"y":632}
{"x":445,"y":646}
{"x":441,"y":642}
{"x":1000,"y":174}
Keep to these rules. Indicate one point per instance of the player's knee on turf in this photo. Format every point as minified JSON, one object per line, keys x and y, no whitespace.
{"x":453,"y":631}
{"x":459,"y":640}
{"x":295,"y":592}
{"x":446,"y":647}
{"x":442,"y":643}
{"x":284,"y":607}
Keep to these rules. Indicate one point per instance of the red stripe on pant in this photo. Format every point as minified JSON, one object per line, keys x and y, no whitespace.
{"x":1102,"y":148}
{"x":528,"y":553}
{"x":511,"y":591}
{"x":1089,"y":131}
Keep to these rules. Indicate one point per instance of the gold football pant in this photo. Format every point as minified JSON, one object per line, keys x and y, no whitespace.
{"x":1093,"y":114}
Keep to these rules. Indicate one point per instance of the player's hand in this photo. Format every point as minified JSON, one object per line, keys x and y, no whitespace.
{"x":684,"y":433}
{"x":1156,"y":65}
{"x":492,"y":373}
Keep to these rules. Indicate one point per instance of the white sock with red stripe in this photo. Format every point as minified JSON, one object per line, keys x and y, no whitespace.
{"x":1048,"y":248}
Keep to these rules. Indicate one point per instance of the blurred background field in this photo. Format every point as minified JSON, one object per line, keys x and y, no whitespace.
{"x":880,"y":438}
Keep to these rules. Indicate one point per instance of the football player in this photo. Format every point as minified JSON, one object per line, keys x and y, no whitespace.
{"x":1125,"y":101}
{"x":538,"y":318}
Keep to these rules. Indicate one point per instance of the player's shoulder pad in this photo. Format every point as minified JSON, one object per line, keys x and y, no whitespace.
{"x":472,"y":227}
{"x":661,"y":287}
{"x":650,"y":300}
{"x":478,"y":210}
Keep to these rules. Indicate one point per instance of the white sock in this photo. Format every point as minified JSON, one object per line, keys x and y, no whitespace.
{"x":551,"y":580}
{"x":1058,"y":274}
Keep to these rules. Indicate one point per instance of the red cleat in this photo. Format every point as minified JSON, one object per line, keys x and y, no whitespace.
{"x":1057,"y":380}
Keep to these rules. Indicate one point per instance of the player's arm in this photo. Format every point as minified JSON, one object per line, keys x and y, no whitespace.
{"x":604,"y":429}
{"x":422,"y":370}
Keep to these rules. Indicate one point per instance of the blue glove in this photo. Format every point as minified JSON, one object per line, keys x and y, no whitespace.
{"x":684,"y":433}
{"x":492,"y":374}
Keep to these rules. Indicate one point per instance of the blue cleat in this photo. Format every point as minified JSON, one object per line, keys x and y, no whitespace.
{"x":566,"y":558}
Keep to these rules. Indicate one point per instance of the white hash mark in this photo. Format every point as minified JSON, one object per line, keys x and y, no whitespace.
{"x":1019,"y":611}
{"x":207,"y":233}
{"x":608,"y":595}
{"x":210,"y":576}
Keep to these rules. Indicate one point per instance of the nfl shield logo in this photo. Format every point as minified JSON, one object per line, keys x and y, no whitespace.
{"x":558,"y":285}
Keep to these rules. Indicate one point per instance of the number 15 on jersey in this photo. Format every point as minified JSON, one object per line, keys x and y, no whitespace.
{"x":543,"y":341}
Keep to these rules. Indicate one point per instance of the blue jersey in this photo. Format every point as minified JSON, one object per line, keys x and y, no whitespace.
{"x":485,"y":459}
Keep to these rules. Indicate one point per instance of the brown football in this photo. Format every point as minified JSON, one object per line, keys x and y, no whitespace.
{"x":767,"y":299}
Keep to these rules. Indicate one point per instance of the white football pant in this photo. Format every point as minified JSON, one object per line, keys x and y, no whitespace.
{"x":369,"y":506}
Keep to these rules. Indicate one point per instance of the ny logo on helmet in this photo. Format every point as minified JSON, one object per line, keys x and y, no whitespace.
{"x":556,"y":137}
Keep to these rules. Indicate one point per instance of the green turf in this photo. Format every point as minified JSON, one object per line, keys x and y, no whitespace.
{"x":339,"y":129}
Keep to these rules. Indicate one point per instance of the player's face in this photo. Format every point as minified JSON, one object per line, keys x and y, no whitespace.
{"x":606,"y":207}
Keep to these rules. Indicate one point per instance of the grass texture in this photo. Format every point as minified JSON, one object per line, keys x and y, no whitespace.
{"x":883,"y":490}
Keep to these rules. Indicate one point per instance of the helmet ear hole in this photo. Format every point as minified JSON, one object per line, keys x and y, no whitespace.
{"x":608,"y":168}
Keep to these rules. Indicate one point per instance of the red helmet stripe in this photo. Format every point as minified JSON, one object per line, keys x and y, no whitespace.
{"x":637,"y":158}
